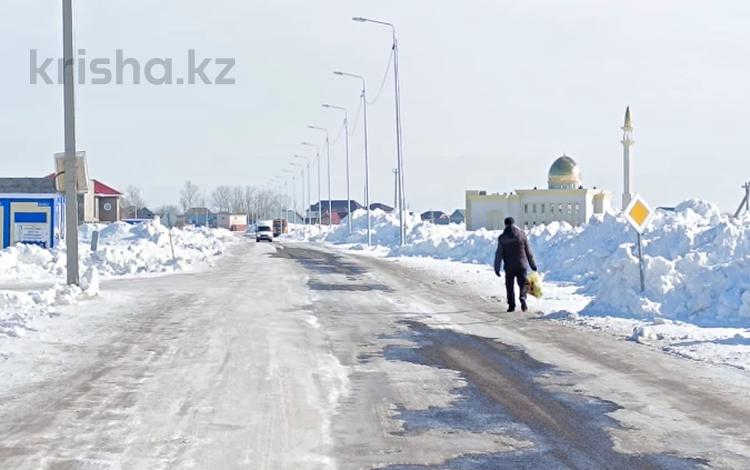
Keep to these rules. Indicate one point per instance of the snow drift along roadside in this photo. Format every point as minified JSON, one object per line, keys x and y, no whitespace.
{"x":697,"y":260}
{"x":17,"y":309}
{"x":124,"y":250}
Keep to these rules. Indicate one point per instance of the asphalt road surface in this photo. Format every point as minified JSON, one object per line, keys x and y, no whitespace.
{"x":294,"y":356}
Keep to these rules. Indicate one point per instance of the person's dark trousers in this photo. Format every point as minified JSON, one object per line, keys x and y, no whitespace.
{"x":511,"y":278}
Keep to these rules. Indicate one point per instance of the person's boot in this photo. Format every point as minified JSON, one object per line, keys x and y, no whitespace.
{"x":524,"y":307}
{"x":511,"y":308}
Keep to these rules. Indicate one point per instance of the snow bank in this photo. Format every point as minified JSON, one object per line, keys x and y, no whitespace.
{"x":697,"y":260}
{"x":124,"y":249}
{"x":17,"y":309}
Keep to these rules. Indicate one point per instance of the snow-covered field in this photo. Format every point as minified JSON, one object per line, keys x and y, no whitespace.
{"x":697,"y":299}
{"x":32,"y":278}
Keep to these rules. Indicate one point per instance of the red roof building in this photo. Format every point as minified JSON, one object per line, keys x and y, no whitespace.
{"x":102,"y":190}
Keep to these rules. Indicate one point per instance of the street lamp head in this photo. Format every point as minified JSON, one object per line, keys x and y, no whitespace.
{"x":338,"y":73}
{"x":330,"y":106}
{"x":359,"y":18}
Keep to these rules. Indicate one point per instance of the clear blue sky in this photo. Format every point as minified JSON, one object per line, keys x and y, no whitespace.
{"x":493,"y":92}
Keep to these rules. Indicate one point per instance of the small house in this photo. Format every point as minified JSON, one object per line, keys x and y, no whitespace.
{"x":233,"y":222}
{"x":31,"y":211}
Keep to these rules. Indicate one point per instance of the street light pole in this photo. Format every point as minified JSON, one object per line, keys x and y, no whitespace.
{"x":320,"y":196}
{"x":70,"y":163}
{"x":348,"y":193}
{"x":293,"y":199}
{"x":328,"y":158}
{"x":309,"y":197}
{"x":399,"y":137}
{"x":302,"y":180}
{"x":367,"y":158}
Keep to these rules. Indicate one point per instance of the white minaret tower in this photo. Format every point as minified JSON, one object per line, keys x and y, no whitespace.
{"x":627,"y":142}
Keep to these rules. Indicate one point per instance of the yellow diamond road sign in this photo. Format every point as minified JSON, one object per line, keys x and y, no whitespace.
{"x":638,"y":213}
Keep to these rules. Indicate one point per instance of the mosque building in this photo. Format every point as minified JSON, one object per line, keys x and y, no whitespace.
{"x":566,"y":199}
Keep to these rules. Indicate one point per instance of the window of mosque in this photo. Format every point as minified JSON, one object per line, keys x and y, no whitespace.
{"x":526,"y":208}
{"x":543,"y":208}
{"x":534,"y":208}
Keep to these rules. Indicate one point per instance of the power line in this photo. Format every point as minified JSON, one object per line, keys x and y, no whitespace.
{"x":385,"y":79}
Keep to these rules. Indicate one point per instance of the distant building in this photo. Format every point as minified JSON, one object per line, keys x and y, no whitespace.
{"x":101,"y":203}
{"x":294,"y":217}
{"x":383,"y":207}
{"x":200,"y":217}
{"x":133,"y":214}
{"x":436,"y":217}
{"x":340,"y":208}
{"x":106,"y":202}
{"x":565,"y":200}
{"x":233,"y":222}
{"x":458,"y":216}
{"x":31,"y":211}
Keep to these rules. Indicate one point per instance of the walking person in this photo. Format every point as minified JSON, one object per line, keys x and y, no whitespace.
{"x":515,"y":256}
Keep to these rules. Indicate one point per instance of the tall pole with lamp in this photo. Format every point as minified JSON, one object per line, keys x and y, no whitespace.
{"x":309,"y":197}
{"x":348,"y":192}
{"x":328,"y":158}
{"x":399,"y":136}
{"x":367,"y":159}
{"x":320,"y":196}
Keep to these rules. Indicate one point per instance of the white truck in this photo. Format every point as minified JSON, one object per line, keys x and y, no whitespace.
{"x":264,"y":231}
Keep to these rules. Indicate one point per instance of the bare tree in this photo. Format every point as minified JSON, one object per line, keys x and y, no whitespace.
{"x":248,"y":202}
{"x":237,"y":200}
{"x":222,"y":198}
{"x":132,"y":202}
{"x":189,"y":196}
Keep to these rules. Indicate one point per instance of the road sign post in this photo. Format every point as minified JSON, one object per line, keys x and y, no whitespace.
{"x":640,"y":263}
{"x":639,"y":214}
{"x":170,"y":224}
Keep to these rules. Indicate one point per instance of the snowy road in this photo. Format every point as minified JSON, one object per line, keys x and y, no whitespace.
{"x":298,"y":357}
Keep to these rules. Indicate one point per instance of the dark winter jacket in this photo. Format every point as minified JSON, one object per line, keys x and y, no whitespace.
{"x":513,"y":251}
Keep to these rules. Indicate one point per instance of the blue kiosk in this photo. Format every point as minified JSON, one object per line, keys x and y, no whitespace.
{"x":31,"y":211}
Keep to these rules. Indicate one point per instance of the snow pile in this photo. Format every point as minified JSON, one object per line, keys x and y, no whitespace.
{"x":697,"y":265}
{"x":697,"y":260}
{"x":17,"y":309}
{"x":124,"y":249}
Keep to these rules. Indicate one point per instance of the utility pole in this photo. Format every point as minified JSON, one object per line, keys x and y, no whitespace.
{"x":70,"y":162}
